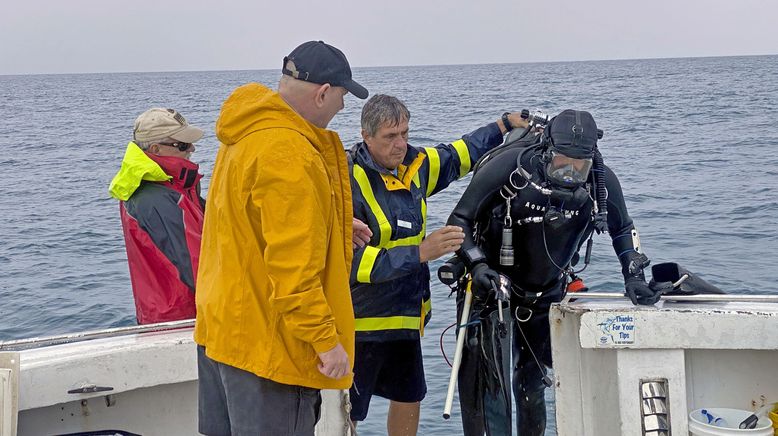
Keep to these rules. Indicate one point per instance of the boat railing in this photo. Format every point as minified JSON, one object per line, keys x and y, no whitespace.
{"x":721,"y":298}
{"x":25,"y":344}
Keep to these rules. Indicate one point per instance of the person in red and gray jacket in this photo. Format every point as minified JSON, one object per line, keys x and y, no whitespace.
{"x":162,"y":215}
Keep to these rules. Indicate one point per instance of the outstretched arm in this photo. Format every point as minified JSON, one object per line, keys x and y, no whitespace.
{"x":449,"y":162}
{"x":483,"y":192}
{"x":626,"y":244}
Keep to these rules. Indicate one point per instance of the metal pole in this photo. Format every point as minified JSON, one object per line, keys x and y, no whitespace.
{"x":724,"y":298}
{"x":461,"y":333}
{"x":94,"y":334}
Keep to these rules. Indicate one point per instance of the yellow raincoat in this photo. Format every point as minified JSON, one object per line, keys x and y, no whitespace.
{"x":272,"y":289}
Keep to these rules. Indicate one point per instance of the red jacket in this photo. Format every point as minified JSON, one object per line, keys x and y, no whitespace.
{"x":162,"y":222}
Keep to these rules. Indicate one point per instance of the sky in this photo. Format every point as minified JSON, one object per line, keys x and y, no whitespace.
{"x":78,"y":36}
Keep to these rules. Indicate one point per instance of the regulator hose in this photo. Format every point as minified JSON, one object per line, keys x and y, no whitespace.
{"x":601,"y":217}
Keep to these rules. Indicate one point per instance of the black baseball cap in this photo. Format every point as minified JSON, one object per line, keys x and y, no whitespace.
{"x":318,"y":62}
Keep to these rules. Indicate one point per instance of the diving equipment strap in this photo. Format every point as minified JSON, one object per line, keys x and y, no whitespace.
{"x":473,"y":256}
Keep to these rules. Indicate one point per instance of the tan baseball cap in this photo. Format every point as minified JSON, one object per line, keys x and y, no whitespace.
{"x":157,"y":124}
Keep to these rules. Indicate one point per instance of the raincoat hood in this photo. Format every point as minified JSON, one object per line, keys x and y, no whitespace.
{"x":254,"y":107}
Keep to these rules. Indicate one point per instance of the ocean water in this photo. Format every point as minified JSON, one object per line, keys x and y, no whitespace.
{"x":694,"y":142}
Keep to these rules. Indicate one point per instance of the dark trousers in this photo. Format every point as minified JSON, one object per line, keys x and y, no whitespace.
{"x":234,"y":402}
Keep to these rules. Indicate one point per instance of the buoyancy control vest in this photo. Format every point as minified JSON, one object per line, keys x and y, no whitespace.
{"x":551,"y":204}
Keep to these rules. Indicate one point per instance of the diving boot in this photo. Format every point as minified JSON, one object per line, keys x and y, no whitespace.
{"x":669,"y":277}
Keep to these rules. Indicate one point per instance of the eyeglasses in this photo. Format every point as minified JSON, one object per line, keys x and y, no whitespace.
{"x":182,"y":146}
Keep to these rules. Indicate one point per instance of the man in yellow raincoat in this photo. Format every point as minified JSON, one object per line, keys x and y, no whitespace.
{"x":275,"y":322}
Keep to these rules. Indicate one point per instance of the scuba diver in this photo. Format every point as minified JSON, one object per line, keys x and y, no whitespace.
{"x":530,"y":207}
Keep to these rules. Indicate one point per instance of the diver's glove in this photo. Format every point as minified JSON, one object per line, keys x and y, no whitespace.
{"x":483,"y":277}
{"x":639,"y":292}
{"x":635,"y":284}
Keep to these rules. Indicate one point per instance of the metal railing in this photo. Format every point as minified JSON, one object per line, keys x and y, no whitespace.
{"x":24,"y":344}
{"x":721,"y":298}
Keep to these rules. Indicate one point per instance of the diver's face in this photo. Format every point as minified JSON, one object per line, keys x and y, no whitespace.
{"x":388,"y":145}
{"x":567,"y":171}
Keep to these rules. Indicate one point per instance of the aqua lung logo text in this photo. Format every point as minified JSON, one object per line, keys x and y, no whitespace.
{"x":567,"y":213}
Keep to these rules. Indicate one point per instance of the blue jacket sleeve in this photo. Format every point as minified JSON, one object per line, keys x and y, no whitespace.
{"x":378,"y":265}
{"x":449,"y":162}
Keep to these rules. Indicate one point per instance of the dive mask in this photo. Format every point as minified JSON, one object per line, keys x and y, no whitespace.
{"x":567,"y":172}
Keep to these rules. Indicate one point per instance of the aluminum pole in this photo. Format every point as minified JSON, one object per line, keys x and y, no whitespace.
{"x":461,"y":333}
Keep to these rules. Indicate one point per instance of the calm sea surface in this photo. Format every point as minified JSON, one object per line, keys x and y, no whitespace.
{"x":694,"y":142}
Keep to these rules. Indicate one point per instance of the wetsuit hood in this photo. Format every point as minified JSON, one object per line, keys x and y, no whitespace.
{"x":571,"y":142}
{"x":573,"y":134}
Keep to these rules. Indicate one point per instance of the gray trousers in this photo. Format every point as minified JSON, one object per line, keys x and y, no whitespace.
{"x":238,"y":403}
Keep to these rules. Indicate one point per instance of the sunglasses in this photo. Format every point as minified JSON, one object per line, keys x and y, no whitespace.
{"x":182,"y":146}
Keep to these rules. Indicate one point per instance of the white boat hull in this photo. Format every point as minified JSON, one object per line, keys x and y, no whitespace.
{"x":709,"y":354}
{"x":706,"y":354}
{"x":150,"y":382}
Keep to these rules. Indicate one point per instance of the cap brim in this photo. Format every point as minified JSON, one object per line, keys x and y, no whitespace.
{"x":355,"y":88}
{"x":189,"y":134}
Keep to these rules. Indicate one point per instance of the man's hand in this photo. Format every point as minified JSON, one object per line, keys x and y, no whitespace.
{"x":362,"y":234}
{"x":639,"y":292}
{"x":517,"y":122}
{"x":441,"y":242}
{"x":334,"y":363}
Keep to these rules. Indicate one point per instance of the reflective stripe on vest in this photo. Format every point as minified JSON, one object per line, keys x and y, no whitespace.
{"x":434,"y":158}
{"x":387,"y":323}
{"x":366,"y":263}
{"x":383,"y":223}
{"x":364,"y":185}
{"x":395,"y":322}
{"x":412,"y":240}
{"x":426,"y":308}
{"x":370,"y":254}
{"x":464,"y":157}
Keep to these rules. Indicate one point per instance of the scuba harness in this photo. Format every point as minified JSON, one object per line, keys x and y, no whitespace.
{"x":537,"y":139}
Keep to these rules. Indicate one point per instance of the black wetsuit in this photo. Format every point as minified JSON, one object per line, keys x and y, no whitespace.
{"x":543,"y":250}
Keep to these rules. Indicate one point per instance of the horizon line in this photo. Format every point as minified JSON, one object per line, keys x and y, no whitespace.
{"x":390,"y":66}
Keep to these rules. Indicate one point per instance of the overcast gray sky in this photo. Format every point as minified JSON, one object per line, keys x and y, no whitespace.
{"x":62,"y":36}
